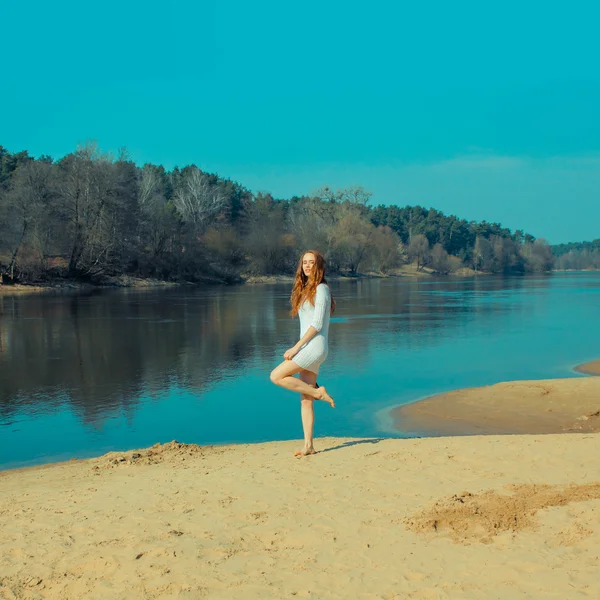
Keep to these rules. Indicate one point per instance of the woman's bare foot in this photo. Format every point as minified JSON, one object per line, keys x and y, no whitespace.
{"x":305,"y":452}
{"x":326,"y":397}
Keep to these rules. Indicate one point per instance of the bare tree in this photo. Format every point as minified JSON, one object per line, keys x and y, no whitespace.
{"x":386,"y":249}
{"x":88,"y":194}
{"x":440,"y":261}
{"x":483,"y":254}
{"x":506,"y":254}
{"x":270,"y":249}
{"x":149,"y":193}
{"x":419,"y":249}
{"x":357,"y":194}
{"x":350,"y":240}
{"x":27,"y":199}
{"x":310,"y":221}
{"x":196,"y":200}
{"x":538,"y":255}
{"x":157,"y":224}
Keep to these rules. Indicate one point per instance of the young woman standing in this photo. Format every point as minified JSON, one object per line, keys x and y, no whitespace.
{"x":312,"y":301}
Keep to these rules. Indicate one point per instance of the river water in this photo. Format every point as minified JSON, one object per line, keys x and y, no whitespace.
{"x":82,"y":374}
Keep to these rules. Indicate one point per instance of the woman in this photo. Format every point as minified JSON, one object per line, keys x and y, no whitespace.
{"x":311,"y":300}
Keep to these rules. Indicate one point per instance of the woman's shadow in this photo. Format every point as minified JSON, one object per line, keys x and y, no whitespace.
{"x":353,"y":443}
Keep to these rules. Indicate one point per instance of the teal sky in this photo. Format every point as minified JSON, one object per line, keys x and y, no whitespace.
{"x":483,"y":110}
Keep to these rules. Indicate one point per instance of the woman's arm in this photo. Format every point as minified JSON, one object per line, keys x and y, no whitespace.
{"x":309,"y":335}
{"x":322,"y":306}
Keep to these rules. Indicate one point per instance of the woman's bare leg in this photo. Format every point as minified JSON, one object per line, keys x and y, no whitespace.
{"x":283,"y":375}
{"x":307,"y":411}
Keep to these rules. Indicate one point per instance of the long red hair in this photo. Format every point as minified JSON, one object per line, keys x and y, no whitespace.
{"x":305,"y":288}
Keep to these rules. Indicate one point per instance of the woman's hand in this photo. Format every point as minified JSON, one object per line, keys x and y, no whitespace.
{"x":309,"y":335}
{"x":289,"y":354}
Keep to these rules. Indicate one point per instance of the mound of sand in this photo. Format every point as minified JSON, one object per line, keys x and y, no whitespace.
{"x":173,"y":452}
{"x":466,"y":517}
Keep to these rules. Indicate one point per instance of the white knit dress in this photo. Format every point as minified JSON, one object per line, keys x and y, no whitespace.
{"x":314,"y":353}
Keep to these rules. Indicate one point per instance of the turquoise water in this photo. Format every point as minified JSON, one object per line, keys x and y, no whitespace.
{"x":113,"y":370}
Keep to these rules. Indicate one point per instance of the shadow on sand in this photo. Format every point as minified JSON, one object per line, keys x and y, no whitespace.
{"x":354,"y":443}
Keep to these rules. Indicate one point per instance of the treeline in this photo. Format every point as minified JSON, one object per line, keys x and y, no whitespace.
{"x":578,"y":256}
{"x":93,"y":215}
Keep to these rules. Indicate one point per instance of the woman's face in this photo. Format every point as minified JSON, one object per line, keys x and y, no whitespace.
{"x":308,"y":263}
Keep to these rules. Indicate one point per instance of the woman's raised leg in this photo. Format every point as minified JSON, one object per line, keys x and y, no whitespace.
{"x":283,"y":375}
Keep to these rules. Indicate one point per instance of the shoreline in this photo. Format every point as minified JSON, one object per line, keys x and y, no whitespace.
{"x":73,"y":285}
{"x":546,"y":406}
{"x":127,"y":281}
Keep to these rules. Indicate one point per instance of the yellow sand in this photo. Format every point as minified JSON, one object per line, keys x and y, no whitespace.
{"x":591,"y":368}
{"x":545,"y":406}
{"x":441,"y":518}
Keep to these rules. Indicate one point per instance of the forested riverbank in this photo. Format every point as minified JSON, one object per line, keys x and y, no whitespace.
{"x":93,"y":218}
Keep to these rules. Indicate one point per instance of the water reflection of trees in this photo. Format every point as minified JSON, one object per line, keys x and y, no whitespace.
{"x":101,"y":353}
